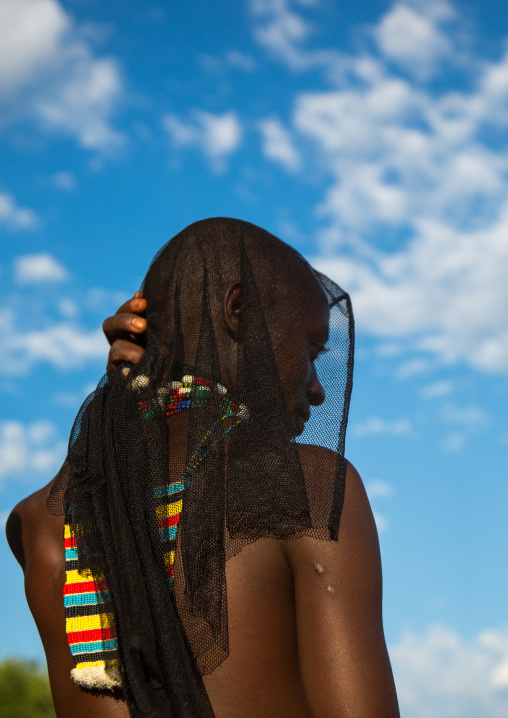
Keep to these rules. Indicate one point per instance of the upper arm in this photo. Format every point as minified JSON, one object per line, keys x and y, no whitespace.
{"x":37,"y":537}
{"x":338,"y":593}
{"x":14,"y":536}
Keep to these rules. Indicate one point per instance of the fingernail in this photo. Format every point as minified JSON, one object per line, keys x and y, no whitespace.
{"x":138,"y":323}
{"x":137,"y":295}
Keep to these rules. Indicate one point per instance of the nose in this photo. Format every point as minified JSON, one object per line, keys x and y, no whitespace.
{"x":315,"y":392}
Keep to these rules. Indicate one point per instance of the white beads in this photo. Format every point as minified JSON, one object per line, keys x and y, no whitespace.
{"x":140,"y":382}
{"x":220,"y":389}
{"x":243,"y":412}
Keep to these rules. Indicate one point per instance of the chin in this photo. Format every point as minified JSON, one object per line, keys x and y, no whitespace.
{"x":298,"y":425}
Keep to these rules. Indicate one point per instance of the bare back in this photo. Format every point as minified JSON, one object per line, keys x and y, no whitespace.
{"x":304,"y":616}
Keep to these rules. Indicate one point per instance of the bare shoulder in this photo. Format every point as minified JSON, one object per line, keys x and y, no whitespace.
{"x":358,"y":543}
{"x":30,"y":527}
{"x":338,"y":596}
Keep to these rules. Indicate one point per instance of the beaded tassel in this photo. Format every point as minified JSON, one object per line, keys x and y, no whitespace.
{"x":90,"y":627}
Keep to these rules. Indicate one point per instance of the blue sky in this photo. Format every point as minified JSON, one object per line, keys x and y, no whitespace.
{"x":372,"y":137}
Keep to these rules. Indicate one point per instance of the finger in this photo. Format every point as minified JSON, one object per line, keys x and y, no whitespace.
{"x":123,"y":325}
{"x":123,"y":351}
{"x":136,"y":304}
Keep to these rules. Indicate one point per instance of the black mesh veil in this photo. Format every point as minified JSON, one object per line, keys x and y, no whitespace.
{"x":216,"y":408}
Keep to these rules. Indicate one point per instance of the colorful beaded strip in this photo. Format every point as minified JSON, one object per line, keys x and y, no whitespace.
{"x":91,"y":632}
{"x":90,"y":627}
{"x":172,"y":398}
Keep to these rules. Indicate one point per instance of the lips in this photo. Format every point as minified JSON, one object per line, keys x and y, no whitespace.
{"x":301,"y":417}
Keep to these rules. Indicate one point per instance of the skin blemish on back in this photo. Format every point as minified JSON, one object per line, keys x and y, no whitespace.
{"x":330,"y":590}
{"x":319,"y":568}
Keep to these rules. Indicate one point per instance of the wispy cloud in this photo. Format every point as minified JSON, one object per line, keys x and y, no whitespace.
{"x":65,"y":181}
{"x":413,"y":367}
{"x":61,"y":344}
{"x":28,"y":449}
{"x":453,"y":442}
{"x":50,"y":73}
{"x":401,"y":156}
{"x":217,"y":136}
{"x":13,"y":216}
{"x":437,"y":389}
{"x":39,"y":268}
{"x":281,"y":30}
{"x":412,"y":37}
{"x":464,"y":424}
{"x":442,"y":674}
{"x":377,"y":489}
{"x":469,"y":416}
{"x":241,"y":61}
{"x":377,"y":426}
{"x":278,"y":145}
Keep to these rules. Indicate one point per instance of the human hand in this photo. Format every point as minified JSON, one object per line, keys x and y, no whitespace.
{"x":125,"y":331}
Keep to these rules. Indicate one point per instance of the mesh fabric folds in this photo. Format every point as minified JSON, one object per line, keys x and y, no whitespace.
{"x":232,"y":449}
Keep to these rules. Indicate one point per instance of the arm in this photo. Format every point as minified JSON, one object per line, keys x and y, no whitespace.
{"x":36,"y":539}
{"x":125,"y":331}
{"x":344,"y":663}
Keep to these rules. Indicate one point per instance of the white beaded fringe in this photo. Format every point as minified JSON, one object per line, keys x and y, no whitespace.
{"x":98,"y":677}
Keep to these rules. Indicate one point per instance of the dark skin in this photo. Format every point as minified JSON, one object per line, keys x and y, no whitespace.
{"x":304,"y":616}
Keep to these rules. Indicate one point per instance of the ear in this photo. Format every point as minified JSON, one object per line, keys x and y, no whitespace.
{"x":233,"y":308}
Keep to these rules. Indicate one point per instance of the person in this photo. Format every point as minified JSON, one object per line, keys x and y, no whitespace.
{"x":257,"y":590}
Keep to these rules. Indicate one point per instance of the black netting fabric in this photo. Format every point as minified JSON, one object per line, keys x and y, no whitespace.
{"x":215,"y":416}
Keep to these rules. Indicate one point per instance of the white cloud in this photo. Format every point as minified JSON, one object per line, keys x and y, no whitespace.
{"x":278,"y":146}
{"x":464,"y":422}
{"x":49,"y":73}
{"x":64,"y":345}
{"x":382,"y":523}
{"x":240,"y":61}
{"x":378,"y":489}
{"x":282,"y":31}
{"x":376,"y":426}
{"x":27,"y":449}
{"x":442,"y":674}
{"x":445,"y":290}
{"x":13,"y":216}
{"x":82,"y":104}
{"x":39,"y":268}
{"x":30,"y":35}
{"x":4,"y":515}
{"x":410,"y":37}
{"x":437,"y":389}
{"x":279,"y":29}
{"x":68,"y":308}
{"x":413,"y":367}
{"x":65,"y":180}
{"x":215,"y":135}
{"x":471,"y":416}
{"x":453,"y":442}
{"x":415,"y":165}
